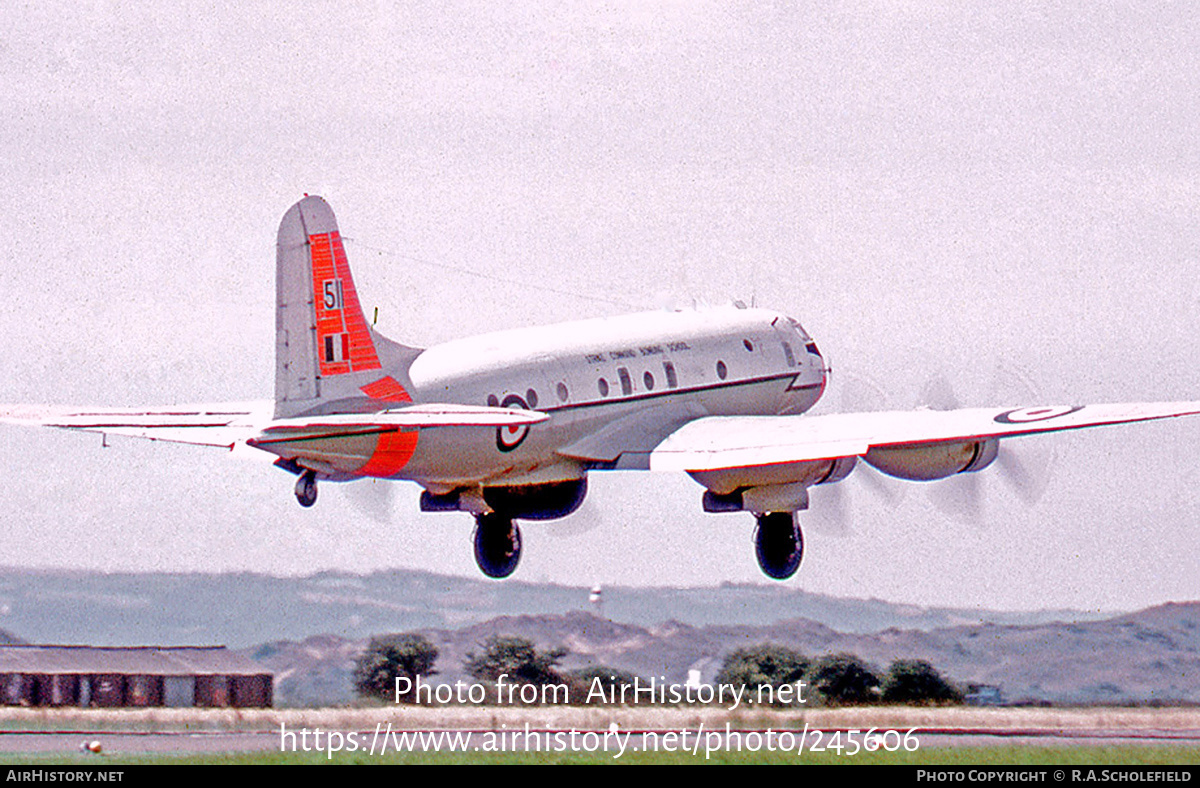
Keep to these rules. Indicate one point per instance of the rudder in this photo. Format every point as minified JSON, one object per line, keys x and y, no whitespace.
{"x":325,"y":351}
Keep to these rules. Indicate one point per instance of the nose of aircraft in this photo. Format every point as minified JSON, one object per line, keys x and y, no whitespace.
{"x":809,"y":384}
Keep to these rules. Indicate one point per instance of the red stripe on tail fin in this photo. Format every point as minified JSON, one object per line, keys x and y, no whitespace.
{"x":339,"y":316}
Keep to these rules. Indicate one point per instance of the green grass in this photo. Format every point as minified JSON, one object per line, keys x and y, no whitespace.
{"x":1013,"y":755}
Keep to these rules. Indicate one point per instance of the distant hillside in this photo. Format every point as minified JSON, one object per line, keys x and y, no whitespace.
{"x":60,"y":606}
{"x":1150,"y":656}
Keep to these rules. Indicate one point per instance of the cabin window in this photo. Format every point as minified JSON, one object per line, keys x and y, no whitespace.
{"x":602,"y":384}
{"x":648,"y":380}
{"x":493,"y":401}
{"x":722,"y":370}
{"x":672,"y":378}
{"x":532,"y":398}
{"x":562,"y":392}
{"x":748,"y":345}
{"x":626,"y":381}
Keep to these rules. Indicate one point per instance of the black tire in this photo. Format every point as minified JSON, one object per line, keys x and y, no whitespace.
{"x":778,"y":544}
{"x":497,"y":544}
{"x":306,"y":489}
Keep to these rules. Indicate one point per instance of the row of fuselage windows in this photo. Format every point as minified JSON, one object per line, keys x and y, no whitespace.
{"x":624,"y":379}
{"x":648,"y":381}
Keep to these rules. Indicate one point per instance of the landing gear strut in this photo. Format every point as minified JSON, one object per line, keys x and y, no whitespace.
{"x":306,"y":489}
{"x":497,"y":544}
{"x":778,"y":544}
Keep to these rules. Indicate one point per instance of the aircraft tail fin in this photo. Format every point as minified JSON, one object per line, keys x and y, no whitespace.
{"x":327,"y":357}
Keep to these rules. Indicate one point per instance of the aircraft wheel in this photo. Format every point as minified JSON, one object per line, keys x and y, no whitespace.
{"x":497,"y":544}
{"x":778,"y":544}
{"x":306,"y":489}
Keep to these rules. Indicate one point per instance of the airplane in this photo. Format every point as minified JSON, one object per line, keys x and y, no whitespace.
{"x":506,"y":426}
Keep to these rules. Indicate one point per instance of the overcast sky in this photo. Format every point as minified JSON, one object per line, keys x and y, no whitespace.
{"x":1000,"y":197}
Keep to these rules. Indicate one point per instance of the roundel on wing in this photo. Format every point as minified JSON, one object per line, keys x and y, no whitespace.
{"x":1028,"y":415}
{"x":509,"y":438}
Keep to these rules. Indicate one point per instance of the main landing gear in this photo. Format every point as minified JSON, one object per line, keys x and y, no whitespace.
{"x":306,"y":489}
{"x":497,"y":544}
{"x":778,"y":543}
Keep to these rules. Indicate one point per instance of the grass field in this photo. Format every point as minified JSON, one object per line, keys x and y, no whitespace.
{"x":989,"y":745}
{"x":1007,"y":755}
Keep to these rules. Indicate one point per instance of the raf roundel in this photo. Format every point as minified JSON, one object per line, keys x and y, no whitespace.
{"x":1027,"y":415}
{"x":509,"y":438}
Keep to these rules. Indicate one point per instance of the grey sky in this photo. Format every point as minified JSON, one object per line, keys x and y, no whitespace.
{"x":932,"y":189}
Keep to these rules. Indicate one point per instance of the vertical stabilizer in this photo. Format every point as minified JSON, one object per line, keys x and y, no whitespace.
{"x":327,"y":358}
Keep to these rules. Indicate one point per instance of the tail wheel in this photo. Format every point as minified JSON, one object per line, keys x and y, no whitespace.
{"x":497,"y":544}
{"x":306,"y":489}
{"x":779,"y":544}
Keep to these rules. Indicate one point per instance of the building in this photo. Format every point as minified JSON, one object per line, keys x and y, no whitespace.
{"x":140,"y":676}
{"x":983,"y":695}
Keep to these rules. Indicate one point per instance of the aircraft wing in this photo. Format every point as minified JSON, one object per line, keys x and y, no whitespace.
{"x":717,"y":442}
{"x":229,"y":424}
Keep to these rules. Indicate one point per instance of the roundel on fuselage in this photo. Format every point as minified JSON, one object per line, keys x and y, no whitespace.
{"x":509,"y":438}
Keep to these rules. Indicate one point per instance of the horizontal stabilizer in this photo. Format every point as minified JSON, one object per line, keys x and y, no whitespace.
{"x":229,"y":424}
{"x":224,"y":424}
{"x":413,"y":417}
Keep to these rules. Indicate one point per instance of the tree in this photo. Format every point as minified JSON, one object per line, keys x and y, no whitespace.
{"x":389,"y":657}
{"x":516,"y":657}
{"x":763,"y":665}
{"x":916,"y":681}
{"x":844,"y":680}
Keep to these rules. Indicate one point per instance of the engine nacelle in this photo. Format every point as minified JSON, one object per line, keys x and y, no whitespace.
{"x":774,"y":489}
{"x":839,"y":469}
{"x":927,"y":462}
{"x":546,"y":501}
{"x":725,"y":481}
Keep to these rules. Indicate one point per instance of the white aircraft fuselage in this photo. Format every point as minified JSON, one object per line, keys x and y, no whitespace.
{"x":640,"y":376}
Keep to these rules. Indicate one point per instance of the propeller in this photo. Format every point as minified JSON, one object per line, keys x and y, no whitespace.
{"x":1024,"y":466}
{"x":832,"y":507}
{"x":961,"y":496}
{"x":1027,"y":465}
{"x":573,"y":526}
{"x":372,"y":497}
{"x":829,"y":508}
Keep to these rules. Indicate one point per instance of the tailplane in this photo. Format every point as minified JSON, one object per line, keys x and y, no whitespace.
{"x":328,"y":359}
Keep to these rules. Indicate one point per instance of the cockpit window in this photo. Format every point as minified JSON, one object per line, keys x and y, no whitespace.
{"x":799,"y":329}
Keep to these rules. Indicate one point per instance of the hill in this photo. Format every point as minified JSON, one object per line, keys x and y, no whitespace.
{"x":1151,"y":656}
{"x":242,"y":609}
